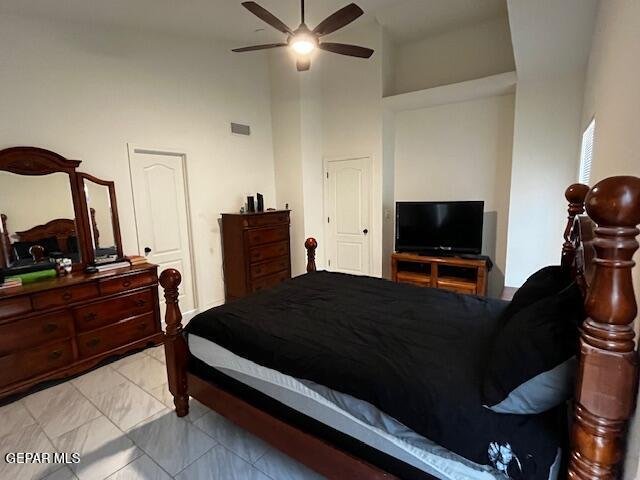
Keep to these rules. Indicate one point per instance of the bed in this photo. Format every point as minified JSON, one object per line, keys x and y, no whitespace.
{"x":360,"y":378}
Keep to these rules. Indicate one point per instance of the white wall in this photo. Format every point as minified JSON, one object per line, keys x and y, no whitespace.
{"x":86,"y":92}
{"x":472,"y":52}
{"x":352,"y":116}
{"x":460,"y":151}
{"x":333,"y":110}
{"x":545,"y":161}
{"x":613,"y":96}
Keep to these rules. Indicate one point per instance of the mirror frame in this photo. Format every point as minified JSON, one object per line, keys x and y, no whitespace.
{"x":35,"y":161}
{"x":115,"y":220}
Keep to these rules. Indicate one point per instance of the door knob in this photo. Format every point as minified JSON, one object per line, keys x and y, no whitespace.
{"x":147,"y":250}
{"x":365,"y":231}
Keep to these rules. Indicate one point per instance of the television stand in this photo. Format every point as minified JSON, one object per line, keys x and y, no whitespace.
{"x":454,"y":273}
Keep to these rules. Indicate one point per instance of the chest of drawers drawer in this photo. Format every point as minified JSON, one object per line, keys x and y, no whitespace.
{"x":103,"y":313}
{"x":262,"y":269}
{"x":108,"y":338}
{"x":34,"y":331}
{"x":269,"y":281}
{"x":266,"y":219}
{"x":127,"y":282}
{"x":64,"y":296}
{"x":265,"y":252}
{"x":260,"y":236}
{"x":14,"y":306}
{"x":35,"y":361}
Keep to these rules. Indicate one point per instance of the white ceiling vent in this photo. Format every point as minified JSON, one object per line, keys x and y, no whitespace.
{"x":240,"y":129}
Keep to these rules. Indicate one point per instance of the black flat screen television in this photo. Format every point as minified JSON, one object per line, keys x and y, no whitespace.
{"x":439,"y":227}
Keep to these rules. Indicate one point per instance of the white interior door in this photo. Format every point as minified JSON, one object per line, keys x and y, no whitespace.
{"x":347,"y":194}
{"x":162,"y":221}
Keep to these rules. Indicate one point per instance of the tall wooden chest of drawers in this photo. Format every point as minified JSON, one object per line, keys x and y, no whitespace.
{"x":60,"y":327}
{"x":256,"y":251}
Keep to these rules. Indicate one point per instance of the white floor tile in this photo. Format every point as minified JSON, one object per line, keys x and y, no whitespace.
{"x":127,"y":404}
{"x":157,"y":353}
{"x":99,"y":381}
{"x":196,"y":409}
{"x":128,"y":359}
{"x":60,"y":409}
{"x":102,"y":447}
{"x":220,"y":464}
{"x":64,"y":473}
{"x":145,"y":371}
{"x":239,"y":441}
{"x":170,"y":441}
{"x":29,"y":439}
{"x":141,"y":469}
{"x":14,"y":417}
{"x":281,"y":467}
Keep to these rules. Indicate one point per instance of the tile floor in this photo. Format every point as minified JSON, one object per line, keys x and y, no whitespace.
{"x":119,"y":418}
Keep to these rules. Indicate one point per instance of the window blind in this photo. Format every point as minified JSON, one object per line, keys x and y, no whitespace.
{"x":586,"y":153}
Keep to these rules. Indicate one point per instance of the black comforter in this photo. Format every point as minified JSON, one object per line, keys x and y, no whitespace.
{"x":416,"y":354}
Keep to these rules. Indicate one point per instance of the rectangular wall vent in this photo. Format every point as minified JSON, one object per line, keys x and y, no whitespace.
{"x":240,"y":129}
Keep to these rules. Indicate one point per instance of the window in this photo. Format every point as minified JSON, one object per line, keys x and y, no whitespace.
{"x":586,"y":153}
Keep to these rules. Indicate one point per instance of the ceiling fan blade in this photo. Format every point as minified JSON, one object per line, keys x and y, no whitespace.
{"x":346,"y":49}
{"x":303,"y":64}
{"x":259,"y":47}
{"x":339,"y":19}
{"x":266,"y":16}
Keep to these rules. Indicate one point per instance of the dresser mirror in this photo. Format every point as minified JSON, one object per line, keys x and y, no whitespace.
{"x":39,"y":210}
{"x":102,"y":211}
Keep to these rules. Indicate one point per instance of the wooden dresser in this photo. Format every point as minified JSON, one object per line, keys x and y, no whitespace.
{"x":59,"y":327}
{"x":462,"y":275}
{"x":256,"y":251}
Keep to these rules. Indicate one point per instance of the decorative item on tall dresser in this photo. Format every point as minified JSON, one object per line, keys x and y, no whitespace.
{"x":53,"y":327}
{"x":255,"y":250}
{"x":270,"y":362}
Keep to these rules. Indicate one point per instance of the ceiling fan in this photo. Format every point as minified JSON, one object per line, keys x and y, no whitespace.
{"x":303,"y":40}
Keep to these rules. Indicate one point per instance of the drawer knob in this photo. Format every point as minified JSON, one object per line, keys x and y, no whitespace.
{"x":67,"y":296}
{"x":93,"y":342}
{"x":126,"y":283}
{"x":55,"y":355}
{"x":142,"y":326}
{"x":258,"y":270}
{"x":90,"y":316}
{"x":140,"y":303}
{"x":50,"y":327}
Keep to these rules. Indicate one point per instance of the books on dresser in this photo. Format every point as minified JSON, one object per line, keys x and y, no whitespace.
{"x":255,"y":250}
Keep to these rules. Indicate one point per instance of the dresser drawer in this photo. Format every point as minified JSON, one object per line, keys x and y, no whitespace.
{"x":127,"y":282}
{"x":118,"y":335}
{"x":266,"y":219}
{"x":265,"y":252}
{"x":35,"y":361}
{"x":14,"y":306}
{"x":64,"y":296}
{"x":267,"y":268}
{"x":266,"y":282}
{"x":34,"y":331}
{"x":99,"y":314}
{"x":267,"y":235}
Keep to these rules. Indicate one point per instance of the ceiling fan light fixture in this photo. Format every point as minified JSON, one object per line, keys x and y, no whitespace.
{"x":303,"y":44}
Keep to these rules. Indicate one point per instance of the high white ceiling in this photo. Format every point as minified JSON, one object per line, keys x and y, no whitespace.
{"x":227,"y":20}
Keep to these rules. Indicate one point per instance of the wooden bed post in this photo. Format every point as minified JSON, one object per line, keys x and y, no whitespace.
{"x":311,"y":244}
{"x":575,"y":195}
{"x":175,"y":345}
{"x":607,"y":379}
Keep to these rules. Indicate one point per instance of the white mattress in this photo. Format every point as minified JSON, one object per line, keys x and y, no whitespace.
{"x":349,"y":415}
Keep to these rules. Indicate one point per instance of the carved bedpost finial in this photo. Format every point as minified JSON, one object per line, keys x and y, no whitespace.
{"x":311,"y":244}
{"x":607,"y":384}
{"x":175,"y":346}
{"x":575,"y":195}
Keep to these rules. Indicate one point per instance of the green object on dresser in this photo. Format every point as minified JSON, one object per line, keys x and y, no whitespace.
{"x":34,"y":276}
